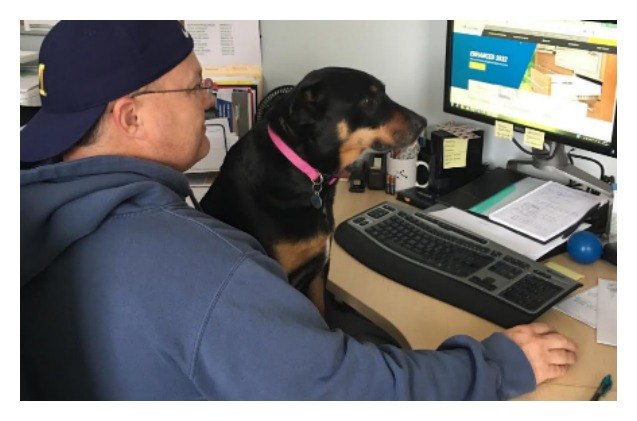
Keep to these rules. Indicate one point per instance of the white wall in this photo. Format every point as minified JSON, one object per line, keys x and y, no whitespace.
{"x":408,"y":56}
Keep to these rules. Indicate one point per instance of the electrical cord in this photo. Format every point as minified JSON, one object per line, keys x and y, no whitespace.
{"x":586,"y":158}
{"x":543,"y":155}
{"x":607,"y":179}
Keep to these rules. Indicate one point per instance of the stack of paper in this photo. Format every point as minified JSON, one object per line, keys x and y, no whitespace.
{"x":597,"y":307}
{"x":520,"y":243}
{"x":229,"y":51}
{"x":230,"y":54}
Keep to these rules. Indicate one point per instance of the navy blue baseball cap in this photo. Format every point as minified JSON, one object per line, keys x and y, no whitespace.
{"x":86,"y":64}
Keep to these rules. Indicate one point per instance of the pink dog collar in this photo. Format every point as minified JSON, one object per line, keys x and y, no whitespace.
{"x":297,"y":161}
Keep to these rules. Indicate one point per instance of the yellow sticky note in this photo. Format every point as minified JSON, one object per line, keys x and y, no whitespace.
{"x":503,"y":130}
{"x":454,"y":153}
{"x":565,"y":271}
{"x":534,"y":138}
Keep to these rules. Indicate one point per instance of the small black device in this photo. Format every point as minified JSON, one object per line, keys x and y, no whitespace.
{"x":418,"y":197}
{"x":357,"y":177}
{"x":610,"y":253}
{"x":376,"y":169}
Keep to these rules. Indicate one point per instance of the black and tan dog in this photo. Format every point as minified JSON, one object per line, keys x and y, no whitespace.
{"x":326,"y":122}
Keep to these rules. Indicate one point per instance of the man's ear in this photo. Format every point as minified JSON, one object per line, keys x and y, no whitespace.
{"x":124,"y":114}
{"x":309,"y":102}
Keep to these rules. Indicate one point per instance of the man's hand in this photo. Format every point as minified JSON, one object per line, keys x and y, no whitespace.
{"x":551,"y":354}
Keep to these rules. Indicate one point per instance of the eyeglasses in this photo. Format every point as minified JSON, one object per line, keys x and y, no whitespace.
{"x":206,"y":85}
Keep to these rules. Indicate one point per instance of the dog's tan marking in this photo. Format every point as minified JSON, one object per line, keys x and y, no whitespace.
{"x":393,"y":133}
{"x":316,"y":292}
{"x":342,"y":131}
{"x":293,"y":255}
{"x":308,"y":95}
{"x":373,"y":89}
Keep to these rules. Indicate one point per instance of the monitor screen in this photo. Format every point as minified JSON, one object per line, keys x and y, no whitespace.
{"x":559,"y":77}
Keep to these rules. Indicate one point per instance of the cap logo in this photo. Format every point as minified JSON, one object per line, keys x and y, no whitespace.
{"x":41,"y":79}
{"x":186,"y":34}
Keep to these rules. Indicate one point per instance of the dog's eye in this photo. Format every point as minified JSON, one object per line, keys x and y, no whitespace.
{"x":367,"y":102}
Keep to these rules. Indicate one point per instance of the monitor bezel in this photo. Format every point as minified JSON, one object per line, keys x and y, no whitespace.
{"x":608,"y":150}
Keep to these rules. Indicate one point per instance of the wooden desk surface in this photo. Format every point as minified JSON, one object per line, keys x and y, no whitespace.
{"x":419,"y":321}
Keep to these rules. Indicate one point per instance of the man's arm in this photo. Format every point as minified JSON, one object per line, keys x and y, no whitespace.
{"x":265,"y":340}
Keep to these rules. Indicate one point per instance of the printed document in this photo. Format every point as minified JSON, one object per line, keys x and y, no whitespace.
{"x":582,"y":307}
{"x":547,"y":211}
{"x":607,"y":312}
{"x":597,"y":307}
{"x":226,"y":42}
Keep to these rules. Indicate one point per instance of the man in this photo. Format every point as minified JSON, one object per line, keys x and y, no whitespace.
{"x":128,"y":293}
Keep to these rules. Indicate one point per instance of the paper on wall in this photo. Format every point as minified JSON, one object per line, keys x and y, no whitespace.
{"x":226,"y":43}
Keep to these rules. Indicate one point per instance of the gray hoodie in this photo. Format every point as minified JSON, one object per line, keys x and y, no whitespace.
{"x":128,"y":293}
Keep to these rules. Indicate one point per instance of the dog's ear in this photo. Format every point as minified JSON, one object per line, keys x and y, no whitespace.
{"x":309,"y":103}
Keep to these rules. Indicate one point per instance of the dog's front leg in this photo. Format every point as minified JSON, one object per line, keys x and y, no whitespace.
{"x":316,"y":291}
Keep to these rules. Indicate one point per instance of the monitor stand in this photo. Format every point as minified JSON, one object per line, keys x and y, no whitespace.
{"x":557,"y":169}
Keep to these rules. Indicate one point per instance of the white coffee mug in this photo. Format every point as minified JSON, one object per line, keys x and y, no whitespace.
{"x":405,"y":171}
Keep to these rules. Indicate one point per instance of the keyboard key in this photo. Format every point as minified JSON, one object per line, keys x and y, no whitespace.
{"x":516,"y":262}
{"x":508,"y":271}
{"x":531,"y":292}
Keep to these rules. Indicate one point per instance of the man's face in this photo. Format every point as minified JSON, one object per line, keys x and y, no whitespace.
{"x":175,"y":120}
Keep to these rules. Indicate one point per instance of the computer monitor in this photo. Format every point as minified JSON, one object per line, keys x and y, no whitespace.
{"x":556,"y":77}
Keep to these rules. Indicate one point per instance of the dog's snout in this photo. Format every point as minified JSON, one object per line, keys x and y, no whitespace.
{"x":410,"y":126}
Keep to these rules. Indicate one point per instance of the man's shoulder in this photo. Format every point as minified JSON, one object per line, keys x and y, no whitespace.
{"x":189,"y":229}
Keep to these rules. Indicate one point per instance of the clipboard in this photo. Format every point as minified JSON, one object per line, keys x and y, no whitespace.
{"x":500,"y":187}
{"x":570,"y":230}
{"x":547,"y":212}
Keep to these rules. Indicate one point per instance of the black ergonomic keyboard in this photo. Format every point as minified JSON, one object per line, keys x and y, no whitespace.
{"x":452,"y":264}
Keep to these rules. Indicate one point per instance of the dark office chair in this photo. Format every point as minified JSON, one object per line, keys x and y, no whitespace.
{"x":272,"y":97}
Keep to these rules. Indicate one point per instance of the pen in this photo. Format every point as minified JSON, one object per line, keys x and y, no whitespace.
{"x":570,"y":230}
{"x":603,"y":388}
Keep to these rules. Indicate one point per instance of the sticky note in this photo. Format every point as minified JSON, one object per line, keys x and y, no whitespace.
{"x":534,"y":138}
{"x":503,"y":130}
{"x":454,"y":153}
{"x":565,"y":271}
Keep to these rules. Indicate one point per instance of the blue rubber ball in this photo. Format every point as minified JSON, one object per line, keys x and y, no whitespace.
{"x":584,"y":247}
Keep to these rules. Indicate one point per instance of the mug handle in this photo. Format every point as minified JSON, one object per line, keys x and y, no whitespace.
{"x":426,"y":165}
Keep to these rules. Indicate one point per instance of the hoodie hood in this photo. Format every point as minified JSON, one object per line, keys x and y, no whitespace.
{"x":62,"y":203}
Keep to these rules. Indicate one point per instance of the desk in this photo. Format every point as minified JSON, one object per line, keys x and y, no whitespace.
{"x":419,"y":321}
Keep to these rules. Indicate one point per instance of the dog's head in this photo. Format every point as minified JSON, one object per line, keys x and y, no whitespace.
{"x":341,"y":112}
